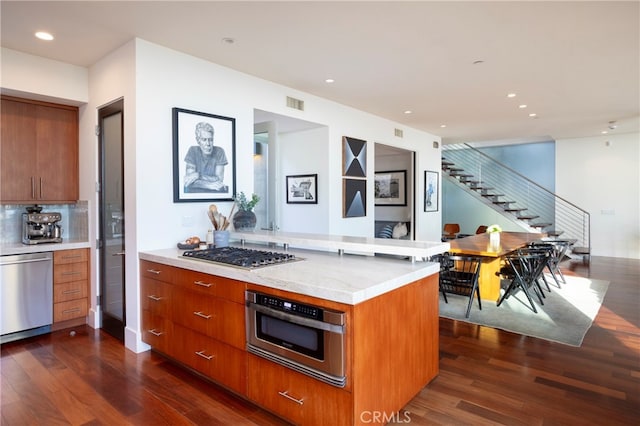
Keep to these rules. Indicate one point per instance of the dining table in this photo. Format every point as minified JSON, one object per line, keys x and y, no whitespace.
{"x":492,"y":253}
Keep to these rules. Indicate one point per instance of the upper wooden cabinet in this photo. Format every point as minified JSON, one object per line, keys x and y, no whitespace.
{"x":38,"y":152}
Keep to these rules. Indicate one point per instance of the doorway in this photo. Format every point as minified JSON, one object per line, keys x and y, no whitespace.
{"x":111,"y":245}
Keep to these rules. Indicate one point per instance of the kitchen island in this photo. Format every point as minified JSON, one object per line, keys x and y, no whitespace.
{"x":391,"y":328}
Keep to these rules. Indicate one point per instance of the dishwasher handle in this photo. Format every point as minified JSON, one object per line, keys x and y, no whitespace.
{"x":19,"y":261}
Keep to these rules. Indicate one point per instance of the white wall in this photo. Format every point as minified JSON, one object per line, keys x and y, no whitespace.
{"x":306,"y":153}
{"x":42,"y":79}
{"x":605,"y":181}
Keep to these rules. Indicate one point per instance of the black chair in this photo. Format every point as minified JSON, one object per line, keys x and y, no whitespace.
{"x":459,"y":275}
{"x":557,"y":250}
{"x":524,"y":268}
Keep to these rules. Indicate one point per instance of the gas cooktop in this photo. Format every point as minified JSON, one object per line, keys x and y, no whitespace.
{"x":241,"y":257}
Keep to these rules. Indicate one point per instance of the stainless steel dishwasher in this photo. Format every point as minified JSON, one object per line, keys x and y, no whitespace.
{"x":26,"y":295}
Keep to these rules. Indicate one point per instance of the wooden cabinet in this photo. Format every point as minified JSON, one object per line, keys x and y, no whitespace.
{"x":38,"y":151}
{"x":297,"y":397}
{"x":70,"y":284}
{"x":197,"y":319}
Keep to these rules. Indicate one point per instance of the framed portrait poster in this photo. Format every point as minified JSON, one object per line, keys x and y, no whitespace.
{"x":391,"y":188}
{"x":430,"y":191}
{"x":302,"y":189}
{"x":204,"y":157}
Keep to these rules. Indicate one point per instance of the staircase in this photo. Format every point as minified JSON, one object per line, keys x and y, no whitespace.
{"x":519,"y":199}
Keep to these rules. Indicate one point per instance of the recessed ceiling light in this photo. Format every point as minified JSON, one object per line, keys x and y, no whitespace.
{"x":228,"y":40}
{"x":604,"y":132}
{"x":511,"y":95}
{"x":478,"y":62}
{"x":42,"y":35}
{"x":523,"y":106}
{"x":533,"y":115}
{"x":443,"y":125}
{"x":408,"y":111}
{"x":329,"y":80}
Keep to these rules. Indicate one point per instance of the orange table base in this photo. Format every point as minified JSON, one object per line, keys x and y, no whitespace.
{"x":479,"y":245}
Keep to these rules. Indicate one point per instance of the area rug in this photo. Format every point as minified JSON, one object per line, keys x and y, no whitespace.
{"x":565,"y":317}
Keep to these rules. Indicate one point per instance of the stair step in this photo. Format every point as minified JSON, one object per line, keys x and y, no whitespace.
{"x":528,"y":217}
{"x":486,"y":194}
{"x":506,"y":203}
{"x":554,"y":233}
{"x":540,"y":225}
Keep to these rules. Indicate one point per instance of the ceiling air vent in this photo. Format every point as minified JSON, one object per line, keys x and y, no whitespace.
{"x":295,"y":103}
{"x":398,"y":133}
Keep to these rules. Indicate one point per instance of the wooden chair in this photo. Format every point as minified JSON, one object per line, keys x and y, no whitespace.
{"x":450,"y":231}
{"x":481,"y":229}
{"x":459,"y":275}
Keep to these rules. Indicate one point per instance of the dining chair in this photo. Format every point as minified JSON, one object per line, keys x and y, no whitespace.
{"x":524,"y":269}
{"x":557,"y":250}
{"x":459,"y":276}
{"x":450,"y":231}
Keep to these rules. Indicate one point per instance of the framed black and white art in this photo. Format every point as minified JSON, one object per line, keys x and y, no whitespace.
{"x":302,"y":189}
{"x":204,"y":157}
{"x":391,"y":188}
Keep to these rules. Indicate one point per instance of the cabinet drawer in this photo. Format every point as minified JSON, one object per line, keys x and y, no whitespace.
{"x":219,"y":361}
{"x":69,"y":310}
{"x":155,"y":296}
{"x":62,"y":257}
{"x":212,"y":285}
{"x":67,"y":272}
{"x":157,"y":271}
{"x":211,"y":316}
{"x":296,"y":397}
{"x":157,"y":331}
{"x":70,"y":291}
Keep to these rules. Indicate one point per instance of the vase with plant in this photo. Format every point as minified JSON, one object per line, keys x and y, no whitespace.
{"x":494,"y":234}
{"x":245,"y":219}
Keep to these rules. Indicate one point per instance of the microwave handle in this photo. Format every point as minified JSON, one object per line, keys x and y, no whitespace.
{"x":309,"y":322}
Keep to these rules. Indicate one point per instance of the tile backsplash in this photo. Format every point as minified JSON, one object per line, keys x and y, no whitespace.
{"x":74,"y":223}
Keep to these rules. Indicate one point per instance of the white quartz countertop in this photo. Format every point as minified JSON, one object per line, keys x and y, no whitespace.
{"x":369,"y":245}
{"x":347,"y":278}
{"x":19,"y":248}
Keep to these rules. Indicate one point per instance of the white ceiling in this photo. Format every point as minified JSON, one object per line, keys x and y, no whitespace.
{"x":575,"y":64}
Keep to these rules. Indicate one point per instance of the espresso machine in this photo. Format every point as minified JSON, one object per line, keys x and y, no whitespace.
{"x":41,"y":227}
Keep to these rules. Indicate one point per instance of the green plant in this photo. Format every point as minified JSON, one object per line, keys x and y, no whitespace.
{"x":245,"y":204}
{"x":494,"y":228}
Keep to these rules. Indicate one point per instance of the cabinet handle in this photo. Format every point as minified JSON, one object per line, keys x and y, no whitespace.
{"x":71,"y":256}
{"x":156,"y":333}
{"x":201,"y":315}
{"x":73,"y":291}
{"x":202,"y":284}
{"x":33,"y":187}
{"x":154,"y":297}
{"x":153,"y":271}
{"x":289,"y":397}
{"x":41,"y":195}
{"x":70,"y":311}
{"x":207,"y":357}
{"x":120,"y":253}
{"x":72,"y":273}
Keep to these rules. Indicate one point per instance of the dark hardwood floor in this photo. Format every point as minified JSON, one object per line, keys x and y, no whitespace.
{"x":486,"y":376}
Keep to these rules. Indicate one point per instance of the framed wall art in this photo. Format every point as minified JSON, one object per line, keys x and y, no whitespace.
{"x":204,"y":157}
{"x":391,"y":188}
{"x":302,"y":189}
{"x":354,"y":201}
{"x":430,"y":191}
{"x":354,"y":157}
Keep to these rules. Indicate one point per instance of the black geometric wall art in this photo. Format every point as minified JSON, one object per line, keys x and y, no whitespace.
{"x":354,"y":157}
{"x":354,"y":203}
